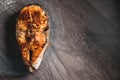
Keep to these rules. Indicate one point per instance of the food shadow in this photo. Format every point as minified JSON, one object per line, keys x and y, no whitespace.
{"x":13,"y":52}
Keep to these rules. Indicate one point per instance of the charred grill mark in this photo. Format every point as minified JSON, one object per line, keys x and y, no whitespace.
{"x":30,"y":53}
{"x":36,"y":15}
{"x":43,"y":46}
{"x":28,"y":39}
{"x":36,"y":18}
{"x":46,"y":29}
{"x":24,"y":15}
{"x":30,"y":25}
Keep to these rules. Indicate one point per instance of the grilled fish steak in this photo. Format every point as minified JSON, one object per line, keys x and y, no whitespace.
{"x":32,"y":33}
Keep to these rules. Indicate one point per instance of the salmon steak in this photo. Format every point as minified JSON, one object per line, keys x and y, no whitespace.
{"x":32,"y":33}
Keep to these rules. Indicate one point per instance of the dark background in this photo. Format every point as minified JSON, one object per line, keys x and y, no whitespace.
{"x":84,"y":40}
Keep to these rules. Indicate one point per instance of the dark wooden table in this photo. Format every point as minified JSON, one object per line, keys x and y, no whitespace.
{"x":85,"y":40}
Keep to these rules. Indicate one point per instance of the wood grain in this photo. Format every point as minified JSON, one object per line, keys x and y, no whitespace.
{"x":84,"y":41}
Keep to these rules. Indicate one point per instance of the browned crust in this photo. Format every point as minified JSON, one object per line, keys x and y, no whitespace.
{"x":32,"y":32}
